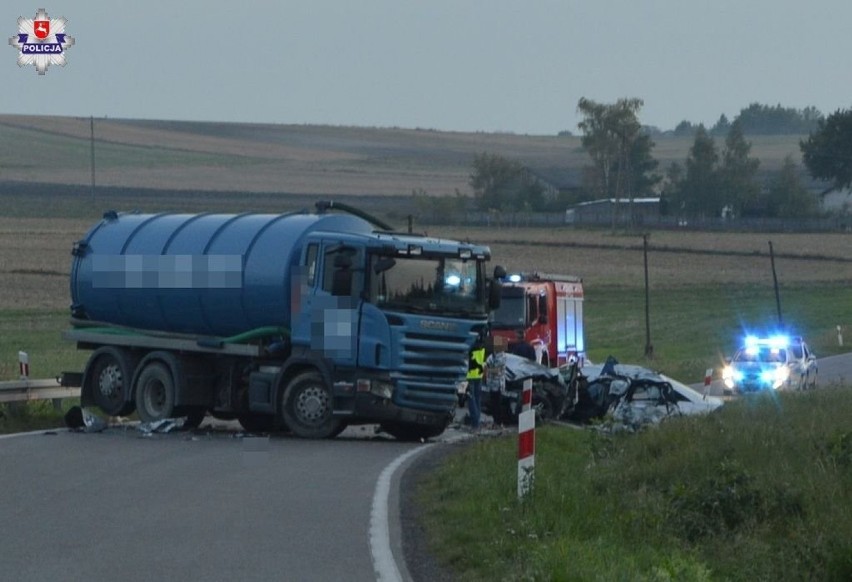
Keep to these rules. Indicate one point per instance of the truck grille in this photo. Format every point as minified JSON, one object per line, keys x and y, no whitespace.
{"x":431,"y":365}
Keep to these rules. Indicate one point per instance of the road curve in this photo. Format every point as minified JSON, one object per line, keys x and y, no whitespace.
{"x":118,"y":505}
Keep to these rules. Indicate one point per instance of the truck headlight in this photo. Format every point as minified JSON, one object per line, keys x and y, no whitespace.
{"x":382,"y":389}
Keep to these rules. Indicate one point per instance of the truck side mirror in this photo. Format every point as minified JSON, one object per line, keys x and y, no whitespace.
{"x":383,"y":264}
{"x":494,"y":294}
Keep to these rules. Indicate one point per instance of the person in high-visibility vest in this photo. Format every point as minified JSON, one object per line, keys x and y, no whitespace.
{"x":474,"y":382}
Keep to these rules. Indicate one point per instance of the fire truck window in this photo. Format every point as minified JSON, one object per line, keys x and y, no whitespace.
{"x":542,"y":309}
{"x":532,"y":309}
{"x":511,"y":310}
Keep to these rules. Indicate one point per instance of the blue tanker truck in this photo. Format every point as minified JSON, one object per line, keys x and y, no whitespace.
{"x":303,"y":321}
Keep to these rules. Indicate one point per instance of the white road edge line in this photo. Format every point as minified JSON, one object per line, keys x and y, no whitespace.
{"x":380,"y":546}
{"x":20,"y":434}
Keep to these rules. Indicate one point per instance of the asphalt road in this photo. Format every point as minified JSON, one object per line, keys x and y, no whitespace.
{"x":220,"y":505}
{"x":120,"y":506}
{"x":832,"y":370}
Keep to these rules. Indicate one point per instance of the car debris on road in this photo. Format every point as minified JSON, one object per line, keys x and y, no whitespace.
{"x":630,"y":396}
{"x":635,"y":396}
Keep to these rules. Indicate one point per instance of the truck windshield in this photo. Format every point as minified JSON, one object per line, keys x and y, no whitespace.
{"x":429,"y":284}
{"x":511,"y":312}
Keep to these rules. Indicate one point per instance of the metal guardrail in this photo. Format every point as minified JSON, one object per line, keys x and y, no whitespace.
{"x":24,"y":390}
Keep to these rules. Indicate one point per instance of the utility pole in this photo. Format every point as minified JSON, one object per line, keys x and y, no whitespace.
{"x":92,"y":150}
{"x":775,"y":284}
{"x":649,"y":348}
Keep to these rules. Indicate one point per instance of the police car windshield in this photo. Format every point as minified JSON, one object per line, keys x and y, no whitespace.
{"x":762,"y":354}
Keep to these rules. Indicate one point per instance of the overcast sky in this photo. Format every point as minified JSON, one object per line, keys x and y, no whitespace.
{"x":466,"y":65}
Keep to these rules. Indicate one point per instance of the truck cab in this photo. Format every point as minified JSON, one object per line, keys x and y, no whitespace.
{"x":548,"y":310}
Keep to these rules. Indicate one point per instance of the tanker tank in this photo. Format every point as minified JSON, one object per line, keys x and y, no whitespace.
{"x":208,"y":274}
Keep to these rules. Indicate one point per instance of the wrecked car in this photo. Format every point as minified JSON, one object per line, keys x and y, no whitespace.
{"x":634,"y":395}
{"x":551,"y":395}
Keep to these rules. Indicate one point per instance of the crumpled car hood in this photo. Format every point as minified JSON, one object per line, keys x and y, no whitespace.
{"x":637,"y":396}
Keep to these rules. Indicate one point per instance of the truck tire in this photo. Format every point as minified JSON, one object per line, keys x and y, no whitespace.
{"x":411,"y":432}
{"x":307,"y":407}
{"x":155,"y":393}
{"x":110,"y":371}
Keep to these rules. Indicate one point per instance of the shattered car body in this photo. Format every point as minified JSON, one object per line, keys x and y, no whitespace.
{"x":551,"y":395}
{"x":635,"y":396}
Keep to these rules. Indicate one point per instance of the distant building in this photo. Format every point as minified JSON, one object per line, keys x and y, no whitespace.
{"x":837,"y":202}
{"x":600,"y":211}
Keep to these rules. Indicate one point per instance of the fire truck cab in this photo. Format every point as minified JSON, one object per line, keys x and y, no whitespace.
{"x":548,"y":309}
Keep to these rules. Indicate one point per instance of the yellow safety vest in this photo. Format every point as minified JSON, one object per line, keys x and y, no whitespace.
{"x":476,"y":364}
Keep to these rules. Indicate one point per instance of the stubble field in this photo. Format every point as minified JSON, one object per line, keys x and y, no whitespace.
{"x":704,"y":288}
{"x":35,"y":257}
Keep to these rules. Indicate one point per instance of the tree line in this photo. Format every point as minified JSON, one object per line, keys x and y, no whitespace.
{"x":712,"y":181}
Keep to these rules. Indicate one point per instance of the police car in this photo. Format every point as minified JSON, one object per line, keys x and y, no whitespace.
{"x":772,"y":363}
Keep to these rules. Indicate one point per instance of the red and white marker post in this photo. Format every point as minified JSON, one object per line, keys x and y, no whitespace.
{"x":526,"y":442}
{"x":708,"y":378}
{"x":24,"y":365}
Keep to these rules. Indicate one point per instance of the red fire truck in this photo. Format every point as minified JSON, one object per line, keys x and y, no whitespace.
{"x":548,"y":309}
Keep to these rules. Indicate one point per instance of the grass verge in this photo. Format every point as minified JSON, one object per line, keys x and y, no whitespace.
{"x":760,"y":490}
{"x":38,"y":333}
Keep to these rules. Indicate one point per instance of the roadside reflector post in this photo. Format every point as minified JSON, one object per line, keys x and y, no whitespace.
{"x":526,"y":442}
{"x":24,"y":365}
{"x":839,"y":336}
{"x":24,"y":369}
{"x":708,"y":379}
{"x":16,"y":408}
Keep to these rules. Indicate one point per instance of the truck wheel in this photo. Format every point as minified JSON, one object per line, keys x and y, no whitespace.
{"x":155,"y":393}
{"x":411,"y":432}
{"x":110,"y":372}
{"x":307,"y":407}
